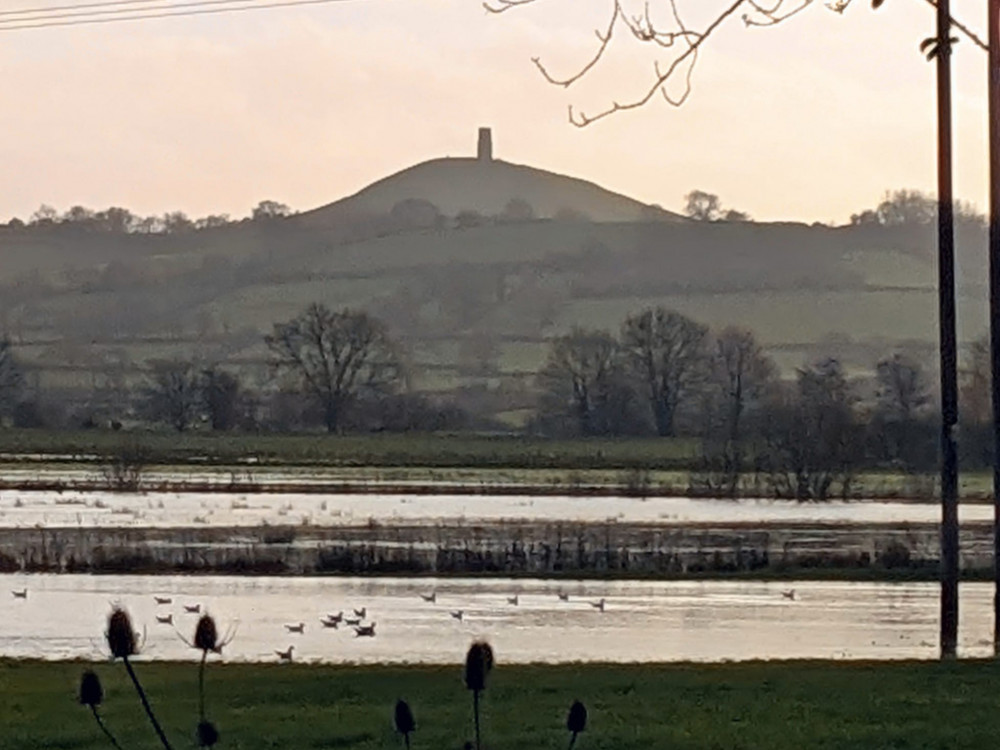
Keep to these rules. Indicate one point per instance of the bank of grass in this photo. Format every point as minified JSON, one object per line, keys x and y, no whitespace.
{"x":767,"y":705}
{"x":380,"y":450}
{"x":637,"y":466}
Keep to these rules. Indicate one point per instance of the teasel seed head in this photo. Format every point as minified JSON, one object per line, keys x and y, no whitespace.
{"x":206,"y":636}
{"x":208,"y":735}
{"x":478,"y":663}
{"x":121,"y":637}
{"x":91,"y":692}
{"x":405,"y":722}
{"x":576,"y":722}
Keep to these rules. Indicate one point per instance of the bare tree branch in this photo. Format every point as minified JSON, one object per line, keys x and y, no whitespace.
{"x":644,"y":29}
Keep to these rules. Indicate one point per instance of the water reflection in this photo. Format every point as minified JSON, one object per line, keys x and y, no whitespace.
{"x":64,"y":617}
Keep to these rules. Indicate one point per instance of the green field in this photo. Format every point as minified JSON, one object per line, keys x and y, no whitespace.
{"x":772,"y":706}
{"x":376,"y":450}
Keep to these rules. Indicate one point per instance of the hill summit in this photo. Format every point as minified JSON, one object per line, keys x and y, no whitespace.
{"x":488,"y":186}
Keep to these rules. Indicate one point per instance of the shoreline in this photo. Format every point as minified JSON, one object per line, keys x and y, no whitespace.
{"x":484,"y":487}
{"x":529,"y":549}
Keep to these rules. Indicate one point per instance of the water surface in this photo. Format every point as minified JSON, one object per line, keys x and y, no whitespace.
{"x":106,"y":509}
{"x":64,"y":617}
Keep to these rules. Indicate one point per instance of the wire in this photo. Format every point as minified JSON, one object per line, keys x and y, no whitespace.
{"x":86,"y":19}
{"x":52,"y":9}
{"x":48,"y":16}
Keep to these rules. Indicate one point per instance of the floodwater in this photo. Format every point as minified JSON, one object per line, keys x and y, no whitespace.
{"x":24,"y":509}
{"x":64,"y":617}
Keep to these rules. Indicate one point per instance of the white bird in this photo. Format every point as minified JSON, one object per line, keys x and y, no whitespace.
{"x":431,"y":597}
{"x":598,"y":605}
{"x":192,"y":609}
{"x":458,"y":615}
{"x":285,"y":655}
{"x":563,"y":597}
{"x":513,"y":599}
{"x":790,"y":594}
{"x":300,"y":628}
{"x":163,"y":599}
{"x":22,"y":594}
{"x":365,"y":630}
{"x":165,"y":619}
{"x":362,"y":613}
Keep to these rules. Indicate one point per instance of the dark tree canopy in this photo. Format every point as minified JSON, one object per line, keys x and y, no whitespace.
{"x":336,"y":356}
{"x":173,"y":393}
{"x":584,"y":379}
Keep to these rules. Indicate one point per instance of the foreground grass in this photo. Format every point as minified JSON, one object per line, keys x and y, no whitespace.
{"x":773,"y":705}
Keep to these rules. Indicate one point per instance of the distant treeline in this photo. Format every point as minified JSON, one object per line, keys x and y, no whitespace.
{"x":117,"y":220}
{"x":660,"y":374}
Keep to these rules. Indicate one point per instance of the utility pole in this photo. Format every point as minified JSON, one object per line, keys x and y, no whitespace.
{"x":993,"y":99}
{"x":947,"y":336}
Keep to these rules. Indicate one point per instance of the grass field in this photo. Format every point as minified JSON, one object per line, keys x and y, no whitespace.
{"x":775,"y":705}
{"x":388,"y":450}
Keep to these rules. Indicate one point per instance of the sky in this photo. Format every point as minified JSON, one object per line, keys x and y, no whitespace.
{"x":811,"y":120}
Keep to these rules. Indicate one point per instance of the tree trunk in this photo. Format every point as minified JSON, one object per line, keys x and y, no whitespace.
{"x":331,"y":416}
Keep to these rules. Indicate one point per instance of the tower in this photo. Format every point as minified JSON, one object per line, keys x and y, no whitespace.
{"x":485,"y":151}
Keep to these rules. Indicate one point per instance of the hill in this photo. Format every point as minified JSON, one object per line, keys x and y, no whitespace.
{"x":475,"y":303}
{"x":486,"y":187}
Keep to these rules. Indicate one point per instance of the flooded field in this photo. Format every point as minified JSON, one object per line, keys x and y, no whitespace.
{"x":26,"y":509}
{"x":63,"y":617}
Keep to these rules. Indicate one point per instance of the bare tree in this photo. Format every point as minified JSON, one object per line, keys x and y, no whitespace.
{"x":337,"y":356}
{"x":811,"y":436}
{"x":902,"y":398}
{"x":11,"y":379}
{"x":975,"y":385}
{"x":221,"y":397}
{"x":173,"y":393}
{"x":266,"y":210}
{"x":903,"y":391}
{"x":660,"y":25}
{"x":702,"y":206}
{"x":580,"y":377}
{"x":742,"y":374}
{"x":668,"y":354}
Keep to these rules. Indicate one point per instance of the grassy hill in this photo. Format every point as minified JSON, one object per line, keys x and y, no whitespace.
{"x":486,"y":186}
{"x":475,"y":304}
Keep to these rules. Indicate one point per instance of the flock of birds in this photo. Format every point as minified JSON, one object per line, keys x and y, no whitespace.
{"x":512,"y":600}
{"x":362,"y":629}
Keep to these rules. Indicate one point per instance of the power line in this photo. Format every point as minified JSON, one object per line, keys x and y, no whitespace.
{"x":48,"y":16}
{"x":87,"y":19}
{"x":52,"y":9}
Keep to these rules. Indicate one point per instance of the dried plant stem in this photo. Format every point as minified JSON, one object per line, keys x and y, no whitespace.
{"x":201,"y":686}
{"x":107,"y":732}
{"x":145,"y":704}
{"x":475,"y":712}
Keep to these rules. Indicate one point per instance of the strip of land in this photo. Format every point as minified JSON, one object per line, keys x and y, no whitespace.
{"x":401,"y":463}
{"x":766,"y":705}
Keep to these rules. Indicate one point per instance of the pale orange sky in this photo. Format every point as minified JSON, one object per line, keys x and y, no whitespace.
{"x":812,"y":120}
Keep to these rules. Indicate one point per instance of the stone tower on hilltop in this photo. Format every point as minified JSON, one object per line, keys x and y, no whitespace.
{"x":485,"y":150}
